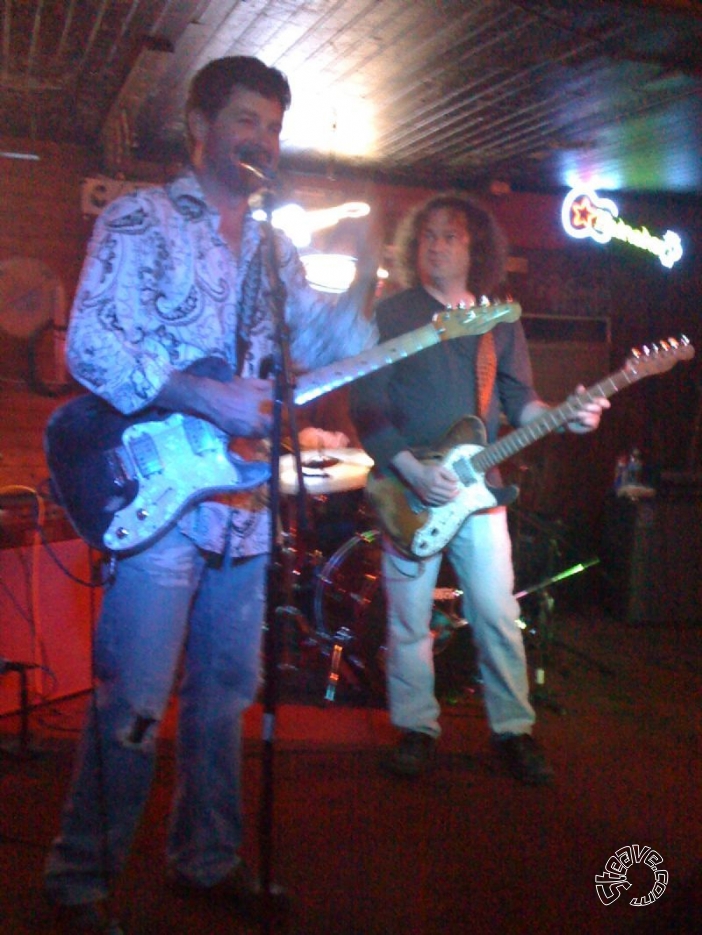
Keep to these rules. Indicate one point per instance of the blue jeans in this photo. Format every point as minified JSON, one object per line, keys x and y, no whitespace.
{"x":169,"y":607}
{"x":481,"y":555}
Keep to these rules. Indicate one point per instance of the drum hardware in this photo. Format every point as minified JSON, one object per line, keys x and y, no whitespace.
{"x":337,"y":470}
{"x":289,"y":618}
{"x":341,"y":662}
{"x":334,"y":599}
{"x":333,"y":679}
{"x":349,"y":614}
{"x":335,"y":504}
{"x":313,"y":467}
{"x":334,"y":507}
{"x":444,"y":624}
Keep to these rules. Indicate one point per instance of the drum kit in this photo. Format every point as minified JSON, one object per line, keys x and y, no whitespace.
{"x":333,"y":588}
{"x":335,"y":570}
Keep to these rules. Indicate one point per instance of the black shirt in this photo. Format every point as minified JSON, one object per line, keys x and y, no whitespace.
{"x":414,"y":402}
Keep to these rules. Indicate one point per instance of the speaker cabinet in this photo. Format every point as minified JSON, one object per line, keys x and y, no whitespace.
{"x":651,"y":556}
{"x":46,"y":619}
{"x":566,"y":351}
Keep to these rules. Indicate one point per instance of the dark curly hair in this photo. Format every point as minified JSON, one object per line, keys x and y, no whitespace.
{"x":212,"y":86}
{"x":488,"y":245}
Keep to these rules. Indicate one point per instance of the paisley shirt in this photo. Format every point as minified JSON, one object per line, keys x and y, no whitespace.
{"x":160,"y":290}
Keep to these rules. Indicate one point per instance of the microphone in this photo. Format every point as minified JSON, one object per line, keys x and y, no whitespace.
{"x":7,"y":666}
{"x":252,"y":160}
{"x":261,"y":175}
{"x":262,"y":194}
{"x":261,"y":180}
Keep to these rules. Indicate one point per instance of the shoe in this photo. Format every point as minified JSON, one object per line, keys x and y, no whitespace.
{"x":239,"y":888}
{"x":84,"y":919}
{"x":523,"y":758}
{"x":413,"y":755}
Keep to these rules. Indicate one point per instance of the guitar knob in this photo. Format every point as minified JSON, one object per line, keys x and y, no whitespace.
{"x":142,"y":513}
{"x":121,"y":532}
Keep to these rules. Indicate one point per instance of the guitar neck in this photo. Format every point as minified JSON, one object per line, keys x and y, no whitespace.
{"x":312,"y":385}
{"x":551,"y":420}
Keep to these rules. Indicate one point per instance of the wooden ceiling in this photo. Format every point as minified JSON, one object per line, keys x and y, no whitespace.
{"x":532,"y":95}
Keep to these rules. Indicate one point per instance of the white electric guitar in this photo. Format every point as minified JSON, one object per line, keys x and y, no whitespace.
{"x":419,"y":530}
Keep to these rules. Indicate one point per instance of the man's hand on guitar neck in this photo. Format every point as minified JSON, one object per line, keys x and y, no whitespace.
{"x":433,"y":483}
{"x":585,"y":419}
{"x":588,"y":416}
{"x":240,"y":407}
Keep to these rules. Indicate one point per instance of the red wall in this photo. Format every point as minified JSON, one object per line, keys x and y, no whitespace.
{"x":562,"y":477}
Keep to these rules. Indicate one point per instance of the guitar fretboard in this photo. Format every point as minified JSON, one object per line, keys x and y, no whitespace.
{"x":321,"y":381}
{"x":551,"y":420}
{"x":445,"y":325}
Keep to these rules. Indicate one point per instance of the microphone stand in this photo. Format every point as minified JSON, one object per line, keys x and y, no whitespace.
{"x":276,"y":610}
{"x":23,"y":748}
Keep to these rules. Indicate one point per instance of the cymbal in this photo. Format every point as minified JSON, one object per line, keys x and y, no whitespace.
{"x":334,"y":470}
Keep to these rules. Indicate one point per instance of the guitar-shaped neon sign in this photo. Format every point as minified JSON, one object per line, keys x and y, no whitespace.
{"x":585,"y":214}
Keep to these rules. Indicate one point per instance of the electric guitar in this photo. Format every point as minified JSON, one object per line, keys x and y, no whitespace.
{"x":419,"y":530}
{"x":124,"y":480}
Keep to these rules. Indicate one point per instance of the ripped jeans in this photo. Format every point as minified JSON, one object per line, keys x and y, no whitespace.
{"x":169,"y":606}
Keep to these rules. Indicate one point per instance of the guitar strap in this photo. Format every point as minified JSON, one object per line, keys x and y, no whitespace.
{"x":485,"y":372}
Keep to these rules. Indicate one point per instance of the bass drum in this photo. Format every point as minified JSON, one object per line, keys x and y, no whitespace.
{"x":350,"y":610}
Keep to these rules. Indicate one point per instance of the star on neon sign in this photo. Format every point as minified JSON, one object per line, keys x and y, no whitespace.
{"x":585,"y":214}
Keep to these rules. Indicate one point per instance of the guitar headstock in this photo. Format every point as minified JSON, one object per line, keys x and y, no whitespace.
{"x":458,"y":321}
{"x":659,"y":357}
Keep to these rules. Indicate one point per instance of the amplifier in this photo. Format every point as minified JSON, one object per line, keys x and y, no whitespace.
{"x":651,"y":555}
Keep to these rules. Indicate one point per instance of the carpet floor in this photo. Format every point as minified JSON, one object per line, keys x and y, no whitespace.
{"x":465,"y":849}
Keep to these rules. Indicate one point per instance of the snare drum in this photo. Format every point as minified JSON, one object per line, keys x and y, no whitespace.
{"x":334,"y":481}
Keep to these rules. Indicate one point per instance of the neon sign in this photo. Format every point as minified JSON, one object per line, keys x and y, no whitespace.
{"x":585,"y":214}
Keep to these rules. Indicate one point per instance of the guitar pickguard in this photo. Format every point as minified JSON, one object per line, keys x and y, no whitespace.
{"x":178,"y":460}
{"x":444,"y":521}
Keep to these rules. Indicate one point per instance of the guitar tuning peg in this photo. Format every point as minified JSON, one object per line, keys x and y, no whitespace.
{"x":483,"y":301}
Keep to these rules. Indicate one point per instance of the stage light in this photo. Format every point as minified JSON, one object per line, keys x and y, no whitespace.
{"x":292,"y":220}
{"x":27,"y":157}
{"x":329,"y":272}
{"x":300,"y":225}
{"x":339,"y":124}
